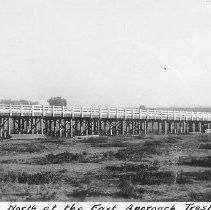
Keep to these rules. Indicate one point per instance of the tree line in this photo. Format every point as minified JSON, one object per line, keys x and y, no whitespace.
{"x":53,"y":101}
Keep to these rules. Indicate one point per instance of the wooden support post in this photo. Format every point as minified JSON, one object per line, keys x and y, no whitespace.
{"x":60,"y":128}
{"x":132,"y":123}
{"x":36,"y":125}
{"x":19,"y":126}
{"x":110,"y":128}
{"x":187,"y":127}
{"x":81,"y":127}
{"x":145,"y":127}
{"x":27,"y":126}
{"x":65,"y":128}
{"x":116,"y":128}
{"x":152,"y":127}
{"x":200,"y":127}
{"x":105,"y":127}
{"x":184,"y":127}
{"x":1,"y":132}
{"x":176,"y":128}
{"x":14,"y":125}
{"x":98,"y":127}
{"x":41,"y":126}
{"x":54,"y":127}
{"x":92,"y":127}
{"x":71,"y":128}
{"x":165,"y":127}
{"x":46,"y":126}
{"x":139,"y":127}
{"x":76,"y":128}
{"x":193,"y":127}
{"x":181,"y":130}
{"x":158,"y":127}
{"x":9,"y":126}
{"x":123,"y":127}
{"x":171,"y":127}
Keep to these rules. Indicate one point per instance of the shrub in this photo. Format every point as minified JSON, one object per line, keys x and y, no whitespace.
{"x":204,"y":175}
{"x":32,"y":179}
{"x":31,"y":148}
{"x":134,"y":167}
{"x":196,"y":161}
{"x":200,"y":197}
{"x":135,"y":152}
{"x":127,"y":189}
{"x":93,"y":140}
{"x":205,"y":146}
{"x":204,"y":138}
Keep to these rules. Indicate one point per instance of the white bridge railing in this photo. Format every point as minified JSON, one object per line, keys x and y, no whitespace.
{"x":101,"y":113}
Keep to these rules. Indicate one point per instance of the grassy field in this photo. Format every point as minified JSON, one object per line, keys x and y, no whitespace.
{"x":121,"y":168}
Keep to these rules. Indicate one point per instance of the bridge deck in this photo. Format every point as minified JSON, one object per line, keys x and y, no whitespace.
{"x":101,"y":113}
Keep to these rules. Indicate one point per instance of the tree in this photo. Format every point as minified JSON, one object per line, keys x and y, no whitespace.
{"x":57,"y":101}
{"x":142,"y":107}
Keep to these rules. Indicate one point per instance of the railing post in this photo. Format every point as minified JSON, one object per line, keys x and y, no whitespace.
{"x":53,"y":111}
{"x":73,"y":112}
{"x":43,"y":110}
{"x":100,"y":113}
{"x":133,"y":113}
{"x":125,"y":114}
{"x":91,"y":112}
{"x":21,"y":110}
{"x":10,"y":111}
{"x":109,"y":113}
{"x":32,"y":110}
{"x":117,"y":110}
{"x":63,"y":111}
{"x":82,"y":114}
{"x":140,"y":116}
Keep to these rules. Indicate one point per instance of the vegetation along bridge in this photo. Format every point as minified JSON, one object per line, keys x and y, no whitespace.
{"x":76,"y":121}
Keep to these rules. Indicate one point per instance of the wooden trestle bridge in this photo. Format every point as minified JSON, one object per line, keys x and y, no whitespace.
{"x":76,"y":121}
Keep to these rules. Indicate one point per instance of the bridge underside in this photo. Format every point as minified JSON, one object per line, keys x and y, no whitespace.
{"x":69,"y":127}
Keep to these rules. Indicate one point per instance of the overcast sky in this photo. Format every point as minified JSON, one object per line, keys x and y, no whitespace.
{"x":107,"y":52}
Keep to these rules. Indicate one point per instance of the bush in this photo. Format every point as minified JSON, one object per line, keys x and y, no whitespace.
{"x":32,"y":179}
{"x":31,"y":148}
{"x":200,"y":197}
{"x":135,"y":152}
{"x":205,"y":146}
{"x":196,"y":161}
{"x":134,"y":167}
{"x":203,"y":176}
{"x":172,"y":139}
{"x":127,"y":190}
{"x":204,"y":138}
{"x":97,"y":140}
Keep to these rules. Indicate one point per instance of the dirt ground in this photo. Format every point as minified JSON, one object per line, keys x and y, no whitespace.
{"x":122,"y":168}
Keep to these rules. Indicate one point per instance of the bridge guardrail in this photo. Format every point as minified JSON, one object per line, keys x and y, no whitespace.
{"x":89,"y":112}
